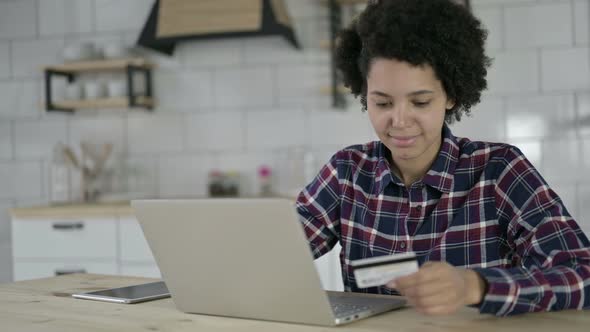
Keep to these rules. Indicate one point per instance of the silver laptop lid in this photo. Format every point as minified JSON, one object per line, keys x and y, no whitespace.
{"x":235,"y":257}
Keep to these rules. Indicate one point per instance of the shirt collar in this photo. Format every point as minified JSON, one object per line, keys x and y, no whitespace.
{"x":441,"y":174}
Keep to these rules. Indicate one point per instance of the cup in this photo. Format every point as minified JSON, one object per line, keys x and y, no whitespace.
{"x":78,"y":52}
{"x":116,"y":89}
{"x":73,"y":91}
{"x":115,"y":50}
{"x":94,"y":90}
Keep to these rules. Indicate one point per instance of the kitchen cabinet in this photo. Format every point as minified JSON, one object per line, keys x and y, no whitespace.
{"x":102,"y":239}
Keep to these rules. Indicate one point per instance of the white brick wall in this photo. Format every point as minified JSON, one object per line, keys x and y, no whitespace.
{"x":4,"y":60}
{"x":238,"y":103}
{"x":59,"y":17}
{"x":29,"y":56}
{"x":514,"y":73}
{"x":115,"y":15}
{"x":18,"y":19}
{"x":5,"y":140}
{"x":20,"y":98}
{"x":565,"y":69}
{"x":528,"y":26}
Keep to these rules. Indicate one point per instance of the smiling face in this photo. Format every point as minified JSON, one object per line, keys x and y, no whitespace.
{"x":406,"y":106}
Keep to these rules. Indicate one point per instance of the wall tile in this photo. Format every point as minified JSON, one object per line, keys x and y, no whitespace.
{"x":18,"y":19}
{"x":339,"y":129}
{"x":585,"y":159}
{"x":567,"y":69}
{"x":513,"y":73}
{"x":29,"y":57}
{"x":561,"y":160}
{"x":5,"y":243}
{"x":274,"y":129}
{"x":5,"y":62}
{"x":584,"y":114}
{"x":486,"y":122}
{"x":184,"y":176}
{"x":208,"y":53}
{"x":244,"y":87}
{"x":569,"y":195}
{"x":36,"y":139}
{"x":526,"y":26}
{"x":114,"y":15}
{"x":584,"y":212}
{"x":216,"y":131}
{"x":19,"y":99}
{"x":491,"y":17}
{"x":532,"y":149}
{"x":59,"y":17}
{"x":581,"y":17}
{"x":5,"y":140}
{"x":543,"y":116}
{"x":151,"y":134}
{"x":20,"y":180}
{"x":142,"y":176}
{"x":302,"y":84}
{"x":186,"y":90}
{"x":272,"y":49}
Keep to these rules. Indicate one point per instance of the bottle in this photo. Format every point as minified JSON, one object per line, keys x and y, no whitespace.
{"x":215,"y":185}
{"x":60,"y":177}
{"x":264,"y":181}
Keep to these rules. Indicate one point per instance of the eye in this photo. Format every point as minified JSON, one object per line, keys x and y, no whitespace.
{"x":381,"y":104}
{"x":421,"y":104}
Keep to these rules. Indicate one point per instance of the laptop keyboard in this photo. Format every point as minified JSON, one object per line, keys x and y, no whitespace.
{"x":346,"y":309}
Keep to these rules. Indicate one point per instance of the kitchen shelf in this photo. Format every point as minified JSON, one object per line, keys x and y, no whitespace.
{"x":122,"y":102}
{"x":130,"y":66}
{"x":101,"y":65}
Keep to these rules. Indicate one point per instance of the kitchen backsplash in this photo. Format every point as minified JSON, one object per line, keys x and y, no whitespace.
{"x":240,"y":103}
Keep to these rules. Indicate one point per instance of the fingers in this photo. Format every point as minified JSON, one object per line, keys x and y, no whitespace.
{"x":436,"y":289}
{"x":426,"y":274}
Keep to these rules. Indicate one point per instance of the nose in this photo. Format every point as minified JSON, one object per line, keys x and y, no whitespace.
{"x":399,"y":115}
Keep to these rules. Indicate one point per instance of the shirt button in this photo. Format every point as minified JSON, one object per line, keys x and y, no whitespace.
{"x":402,"y":245}
{"x":419,"y":207}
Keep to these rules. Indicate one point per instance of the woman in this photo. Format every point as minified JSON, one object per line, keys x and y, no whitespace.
{"x":487,"y":229}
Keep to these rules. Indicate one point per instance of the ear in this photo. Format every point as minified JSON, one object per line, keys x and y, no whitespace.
{"x":450,"y":104}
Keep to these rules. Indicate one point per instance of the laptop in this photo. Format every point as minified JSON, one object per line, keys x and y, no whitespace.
{"x":246,"y":258}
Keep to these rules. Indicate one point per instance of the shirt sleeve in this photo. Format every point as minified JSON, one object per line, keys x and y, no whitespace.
{"x":551,"y":254}
{"x":318,"y":206}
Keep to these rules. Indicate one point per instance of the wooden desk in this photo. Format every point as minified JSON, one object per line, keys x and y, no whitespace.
{"x":45,"y":305}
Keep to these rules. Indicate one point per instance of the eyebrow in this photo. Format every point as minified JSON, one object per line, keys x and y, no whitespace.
{"x":415,"y":93}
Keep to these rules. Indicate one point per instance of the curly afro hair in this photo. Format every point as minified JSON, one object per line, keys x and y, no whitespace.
{"x":439,"y":33}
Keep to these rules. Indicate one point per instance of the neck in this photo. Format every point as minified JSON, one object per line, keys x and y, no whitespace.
{"x":412,"y":170}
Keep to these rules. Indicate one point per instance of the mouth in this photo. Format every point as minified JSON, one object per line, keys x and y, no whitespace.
{"x":403,"y":141}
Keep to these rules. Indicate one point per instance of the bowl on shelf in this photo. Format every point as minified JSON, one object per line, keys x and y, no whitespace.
{"x":94,"y":90}
{"x":79,"y":52}
{"x":115,"y":51}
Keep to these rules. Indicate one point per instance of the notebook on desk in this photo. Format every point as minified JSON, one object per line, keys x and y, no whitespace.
{"x":246,"y":258}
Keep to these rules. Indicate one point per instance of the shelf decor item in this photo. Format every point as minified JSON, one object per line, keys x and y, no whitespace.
{"x":129,"y":66}
{"x":172,"y":21}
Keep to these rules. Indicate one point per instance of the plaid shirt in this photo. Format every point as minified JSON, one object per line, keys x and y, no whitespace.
{"x":481,"y":206}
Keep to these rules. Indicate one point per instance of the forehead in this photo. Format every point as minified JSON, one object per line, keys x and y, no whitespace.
{"x":400,"y":76}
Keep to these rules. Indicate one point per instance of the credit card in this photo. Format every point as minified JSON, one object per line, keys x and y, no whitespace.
{"x":378,"y":271}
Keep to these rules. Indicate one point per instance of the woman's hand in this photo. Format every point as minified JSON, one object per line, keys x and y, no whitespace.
{"x":439,"y":288}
